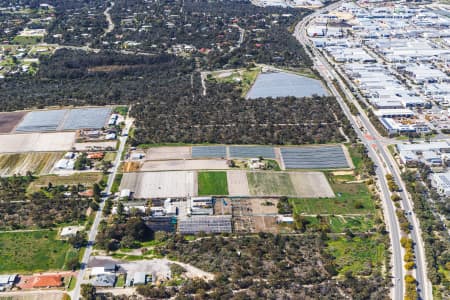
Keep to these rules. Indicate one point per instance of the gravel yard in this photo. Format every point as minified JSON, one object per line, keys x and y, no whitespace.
{"x":160,"y":184}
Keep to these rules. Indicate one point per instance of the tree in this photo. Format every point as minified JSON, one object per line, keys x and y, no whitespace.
{"x":120,"y":209}
{"x":78,"y":240}
{"x":88,"y":291}
{"x":97,"y":191}
{"x":73,"y":263}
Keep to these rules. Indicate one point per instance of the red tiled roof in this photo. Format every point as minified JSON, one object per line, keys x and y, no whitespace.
{"x":47,"y":281}
{"x":87,"y":193}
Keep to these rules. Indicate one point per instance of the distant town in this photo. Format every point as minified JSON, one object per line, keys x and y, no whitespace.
{"x":239,"y":149}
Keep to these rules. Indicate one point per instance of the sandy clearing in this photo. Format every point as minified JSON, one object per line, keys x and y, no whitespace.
{"x":311,"y":184}
{"x":265,"y":224}
{"x":160,"y":184}
{"x":33,"y":295}
{"x":174,"y":165}
{"x":98,"y":145}
{"x":258,"y":207}
{"x":348,"y":157}
{"x":158,"y":266}
{"x":37,"y":142}
{"x":164,"y":153}
{"x":278,"y":158}
{"x":337,"y":173}
{"x":237,"y":183}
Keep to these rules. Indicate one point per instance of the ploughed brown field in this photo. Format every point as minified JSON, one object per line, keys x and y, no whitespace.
{"x":8,"y":121}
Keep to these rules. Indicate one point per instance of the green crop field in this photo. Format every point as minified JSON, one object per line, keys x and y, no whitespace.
{"x":357,"y":255}
{"x":351,"y":198}
{"x":266,"y":184}
{"x":31,"y":251}
{"x":212,"y":183}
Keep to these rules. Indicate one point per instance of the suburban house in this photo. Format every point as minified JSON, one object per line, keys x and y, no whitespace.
{"x":104,"y":280}
{"x":7,"y":281}
{"x":47,"y":281}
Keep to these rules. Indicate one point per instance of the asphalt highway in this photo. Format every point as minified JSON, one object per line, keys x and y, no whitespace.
{"x":385,"y":165}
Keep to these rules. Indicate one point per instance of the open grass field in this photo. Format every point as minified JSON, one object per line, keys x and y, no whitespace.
{"x":27,"y":252}
{"x":339,"y":224}
{"x":39,"y":163}
{"x":8,"y":121}
{"x":212,"y":183}
{"x":351,"y":198}
{"x":357,"y":255}
{"x":243,"y":77}
{"x":84,"y":178}
{"x":267,"y":183}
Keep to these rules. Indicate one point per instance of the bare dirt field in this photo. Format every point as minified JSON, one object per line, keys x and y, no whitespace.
{"x":173,"y":165}
{"x":266,"y":224}
{"x":39,"y":163}
{"x":33,"y":295}
{"x":264,"y":206}
{"x":165,"y":153}
{"x":311,"y":185}
{"x":237,"y":183}
{"x":160,"y":184}
{"x":95,"y":145}
{"x":222,"y":206}
{"x":36,"y":142}
{"x":8,"y":121}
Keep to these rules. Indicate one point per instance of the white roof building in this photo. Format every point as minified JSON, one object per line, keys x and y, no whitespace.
{"x":441,"y":181}
{"x":70,"y":231}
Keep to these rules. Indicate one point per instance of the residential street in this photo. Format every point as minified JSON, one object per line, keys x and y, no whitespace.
{"x":75,"y":294}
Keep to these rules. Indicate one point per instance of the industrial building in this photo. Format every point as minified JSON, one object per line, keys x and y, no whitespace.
{"x":441,"y":181}
{"x":201,"y":206}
